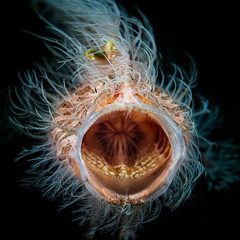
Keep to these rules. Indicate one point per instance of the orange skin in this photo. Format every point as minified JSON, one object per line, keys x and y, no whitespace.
{"x":115,"y":175}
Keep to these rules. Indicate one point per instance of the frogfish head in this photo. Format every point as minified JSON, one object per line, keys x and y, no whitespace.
{"x":128,"y":146}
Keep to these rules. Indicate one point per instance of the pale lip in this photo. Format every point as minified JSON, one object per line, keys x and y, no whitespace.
{"x":142,"y":189}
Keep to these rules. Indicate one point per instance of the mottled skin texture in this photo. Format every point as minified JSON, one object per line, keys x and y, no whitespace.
{"x":126,"y":151}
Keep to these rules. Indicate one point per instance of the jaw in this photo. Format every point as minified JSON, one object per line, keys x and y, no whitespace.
{"x":129,"y":155}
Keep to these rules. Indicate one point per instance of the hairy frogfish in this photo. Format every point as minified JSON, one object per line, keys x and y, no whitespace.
{"x":114,"y":134}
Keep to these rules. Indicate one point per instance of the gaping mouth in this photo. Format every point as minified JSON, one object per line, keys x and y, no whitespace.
{"x":127,"y":155}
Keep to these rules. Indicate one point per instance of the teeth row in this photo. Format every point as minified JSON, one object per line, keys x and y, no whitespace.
{"x":144,"y":165}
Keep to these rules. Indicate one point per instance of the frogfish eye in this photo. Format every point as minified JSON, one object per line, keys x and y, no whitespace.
{"x":129,"y":154}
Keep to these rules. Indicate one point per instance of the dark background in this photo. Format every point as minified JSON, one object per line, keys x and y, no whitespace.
{"x":209,"y":33}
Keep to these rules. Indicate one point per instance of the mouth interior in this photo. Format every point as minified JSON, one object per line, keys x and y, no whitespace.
{"x":126,"y":151}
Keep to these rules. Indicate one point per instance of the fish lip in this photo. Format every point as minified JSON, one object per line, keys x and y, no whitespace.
{"x":173,"y":133}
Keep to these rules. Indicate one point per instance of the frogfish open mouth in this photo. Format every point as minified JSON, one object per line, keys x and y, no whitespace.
{"x":116,"y":137}
{"x":124,"y":153}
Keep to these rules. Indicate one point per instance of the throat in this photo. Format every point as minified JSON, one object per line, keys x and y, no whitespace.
{"x":120,"y":141}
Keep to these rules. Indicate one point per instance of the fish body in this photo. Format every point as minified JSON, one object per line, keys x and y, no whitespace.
{"x":116,"y":137}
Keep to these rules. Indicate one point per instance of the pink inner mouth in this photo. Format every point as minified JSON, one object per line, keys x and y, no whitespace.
{"x":126,"y":152}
